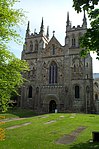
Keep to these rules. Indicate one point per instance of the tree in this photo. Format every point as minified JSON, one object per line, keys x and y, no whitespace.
{"x":10,"y":66}
{"x":90,"y":40}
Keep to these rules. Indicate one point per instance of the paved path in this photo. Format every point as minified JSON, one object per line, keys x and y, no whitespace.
{"x":11,"y":119}
{"x":15,"y":119}
{"x":68,"y":139}
{"x":17,"y":126}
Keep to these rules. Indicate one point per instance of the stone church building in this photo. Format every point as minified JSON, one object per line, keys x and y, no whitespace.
{"x":58,"y":78}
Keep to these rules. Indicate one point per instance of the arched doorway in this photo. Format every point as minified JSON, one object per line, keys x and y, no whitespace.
{"x":52,"y":106}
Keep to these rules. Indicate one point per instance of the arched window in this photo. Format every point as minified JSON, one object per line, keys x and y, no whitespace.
{"x":30,"y":92}
{"x":96,"y":96}
{"x":53,"y":73}
{"x":53,"y":49}
{"x":31,"y":46}
{"x":73,"y":42}
{"x":74,"y":68}
{"x":36,"y":45}
{"x":77,"y":91}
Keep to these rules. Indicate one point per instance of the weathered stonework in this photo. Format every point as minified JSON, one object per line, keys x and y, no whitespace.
{"x":96,"y":93}
{"x":58,"y":78}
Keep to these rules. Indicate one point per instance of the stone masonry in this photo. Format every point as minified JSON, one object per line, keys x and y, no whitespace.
{"x":58,"y":78}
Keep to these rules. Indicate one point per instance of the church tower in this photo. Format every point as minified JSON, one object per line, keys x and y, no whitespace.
{"x":80,"y":70}
{"x":73,"y":34}
{"x":35,"y":42}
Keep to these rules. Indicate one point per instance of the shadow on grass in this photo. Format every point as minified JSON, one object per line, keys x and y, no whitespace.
{"x":18,"y":112}
{"x":87,"y":145}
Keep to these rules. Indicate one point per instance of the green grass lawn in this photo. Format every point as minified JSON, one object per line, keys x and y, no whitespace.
{"x":42,"y":135}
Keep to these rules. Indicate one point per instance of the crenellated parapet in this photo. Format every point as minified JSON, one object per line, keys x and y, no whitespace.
{"x":73,"y":33}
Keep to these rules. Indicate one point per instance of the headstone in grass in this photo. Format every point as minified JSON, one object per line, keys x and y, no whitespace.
{"x":62,"y":116}
{"x":73,"y":115}
{"x":49,"y":122}
{"x":43,"y":116}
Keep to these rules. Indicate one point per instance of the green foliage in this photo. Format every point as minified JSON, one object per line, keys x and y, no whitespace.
{"x":84,"y":4}
{"x":90,"y":40}
{"x":9,"y":19}
{"x":10,"y":75}
{"x":10,"y":66}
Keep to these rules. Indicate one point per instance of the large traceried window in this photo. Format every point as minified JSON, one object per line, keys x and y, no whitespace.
{"x":53,"y":73}
{"x":30,"y":92}
{"x":77,"y":92}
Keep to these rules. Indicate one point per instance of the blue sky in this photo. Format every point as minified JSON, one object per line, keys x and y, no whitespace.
{"x":54,"y":13}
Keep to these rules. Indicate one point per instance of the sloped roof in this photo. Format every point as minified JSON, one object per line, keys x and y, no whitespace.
{"x":53,"y":40}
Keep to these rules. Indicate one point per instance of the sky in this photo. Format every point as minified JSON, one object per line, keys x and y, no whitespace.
{"x":54,"y":13}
